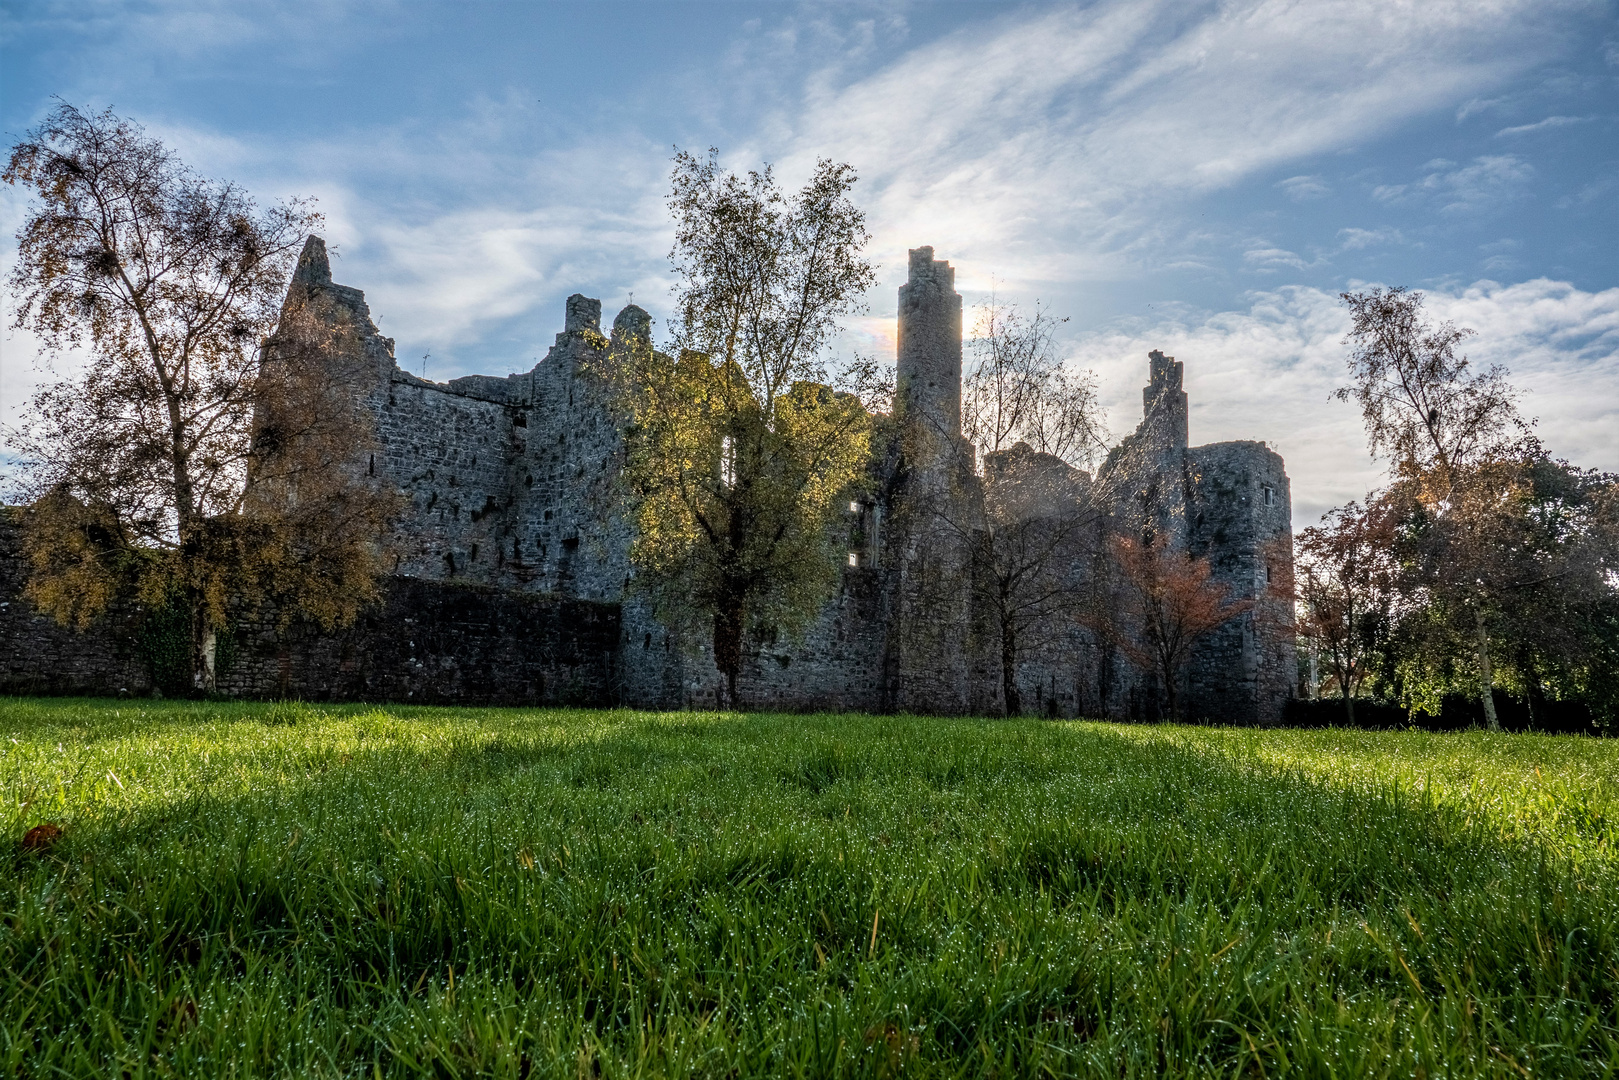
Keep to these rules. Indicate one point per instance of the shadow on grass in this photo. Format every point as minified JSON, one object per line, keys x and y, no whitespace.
{"x":991,"y":877}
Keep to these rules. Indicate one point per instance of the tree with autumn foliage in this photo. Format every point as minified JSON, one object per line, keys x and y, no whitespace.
{"x":151,"y":471}
{"x":1438,"y":421}
{"x":1518,"y":569}
{"x":1165,"y":600}
{"x":739,"y":458}
{"x":1498,"y":563}
{"x":1345,"y":571}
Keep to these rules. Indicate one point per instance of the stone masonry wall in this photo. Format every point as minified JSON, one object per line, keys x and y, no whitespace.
{"x":38,"y":655}
{"x":1240,"y":514}
{"x":439,"y":643}
{"x":429,"y":642}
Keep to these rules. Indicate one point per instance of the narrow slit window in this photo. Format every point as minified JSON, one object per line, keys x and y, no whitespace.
{"x":727,"y":463}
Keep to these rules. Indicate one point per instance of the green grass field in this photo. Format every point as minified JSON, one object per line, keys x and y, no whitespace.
{"x":275,"y":890}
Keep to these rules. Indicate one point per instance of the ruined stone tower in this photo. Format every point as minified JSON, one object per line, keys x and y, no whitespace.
{"x":928,"y":371}
{"x":1164,"y":423}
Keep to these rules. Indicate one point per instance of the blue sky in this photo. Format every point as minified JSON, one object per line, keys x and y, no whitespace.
{"x":1198,"y":177}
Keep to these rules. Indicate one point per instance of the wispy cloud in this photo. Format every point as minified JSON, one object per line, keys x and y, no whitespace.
{"x":1589,"y":193}
{"x":1073,"y":137}
{"x":1305,"y":188}
{"x":1360,"y":239}
{"x":1051,"y":147}
{"x":1542,"y":125}
{"x":1272,"y":258}
{"x":1484,"y":184}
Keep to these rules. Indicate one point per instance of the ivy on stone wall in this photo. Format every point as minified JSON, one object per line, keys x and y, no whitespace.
{"x":164,"y":645}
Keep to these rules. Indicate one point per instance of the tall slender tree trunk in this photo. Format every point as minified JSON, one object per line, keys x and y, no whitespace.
{"x":728,"y":644}
{"x":1172,"y":703}
{"x":1349,"y":704}
{"x":1486,"y":676}
{"x":1013,"y":700}
{"x":204,"y":643}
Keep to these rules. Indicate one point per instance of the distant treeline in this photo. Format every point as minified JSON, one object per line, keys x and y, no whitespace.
{"x":1456,"y":713}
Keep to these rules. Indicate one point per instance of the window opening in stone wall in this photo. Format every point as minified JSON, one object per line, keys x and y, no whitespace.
{"x":1270,"y":495}
{"x":727,"y":462}
{"x":371,"y":469}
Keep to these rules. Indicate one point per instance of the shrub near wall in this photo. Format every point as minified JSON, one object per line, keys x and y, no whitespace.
{"x":1456,"y":713}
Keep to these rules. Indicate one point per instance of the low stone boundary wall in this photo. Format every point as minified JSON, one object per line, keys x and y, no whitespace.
{"x":439,"y":643}
{"x":427,"y":641}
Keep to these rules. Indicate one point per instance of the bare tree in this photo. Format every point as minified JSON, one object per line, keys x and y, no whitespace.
{"x":142,"y":469}
{"x":870,"y":381}
{"x":1434,"y":418}
{"x":1039,"y":513}
{"x":1033,"y":424}
{"x":1016,"y":389}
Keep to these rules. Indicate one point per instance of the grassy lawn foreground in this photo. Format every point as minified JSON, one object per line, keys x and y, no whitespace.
{"x":268,"y":890}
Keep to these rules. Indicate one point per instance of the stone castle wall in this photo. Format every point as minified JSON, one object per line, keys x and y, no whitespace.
{"x":513,"y":581}
{"x":1240,"y":519}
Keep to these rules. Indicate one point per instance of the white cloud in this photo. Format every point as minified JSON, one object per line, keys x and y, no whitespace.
{"x":1068,"y":141}
{"x":1360,"y":239}
{"x":1588,"y":193}
{"x":1541,"y":125}
{"x":1272,"y":258}
{"x":1268,"y":372}
{"x":1488,"y":182}
{"x":1305,"y":188}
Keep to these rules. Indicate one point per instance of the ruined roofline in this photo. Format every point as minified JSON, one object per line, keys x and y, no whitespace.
{"x":1256,"y":444}
{"x":582,"y":319}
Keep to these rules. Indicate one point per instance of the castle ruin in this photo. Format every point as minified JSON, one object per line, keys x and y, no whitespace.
{"x":506,"y":486}
{"x":513,"y":582}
